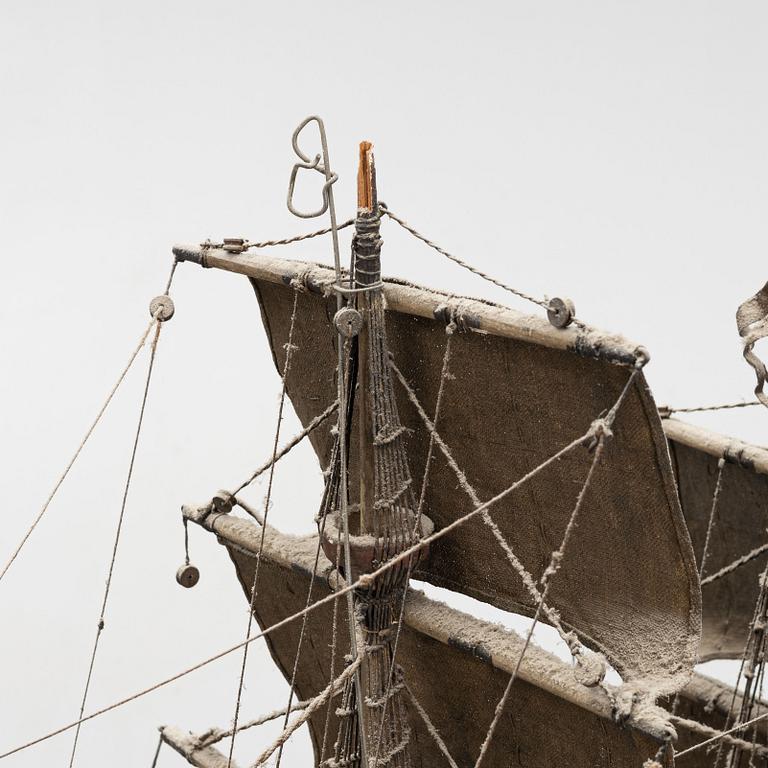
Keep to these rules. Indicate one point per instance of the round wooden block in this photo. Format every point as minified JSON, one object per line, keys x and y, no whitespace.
{"x":162,"y":308}
{"x":188,"y":575}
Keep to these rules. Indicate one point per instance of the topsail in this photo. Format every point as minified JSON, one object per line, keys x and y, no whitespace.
{"x":513,"y":401}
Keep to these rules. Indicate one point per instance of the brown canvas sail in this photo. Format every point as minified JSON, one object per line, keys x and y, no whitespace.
{"x":551,"y":719}
{"x":542,"y":727}
{"x":738,"y":529}
{"x":522,"y":390}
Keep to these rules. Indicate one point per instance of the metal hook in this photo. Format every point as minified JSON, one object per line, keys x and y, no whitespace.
{"x":323,"y":167}
{"x":312,"y":165}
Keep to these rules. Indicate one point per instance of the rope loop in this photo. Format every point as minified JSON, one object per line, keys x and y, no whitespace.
{"x":642,"y":357}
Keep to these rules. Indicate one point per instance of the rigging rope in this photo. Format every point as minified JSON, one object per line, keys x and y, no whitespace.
{"x":699,"y":409}
{"x":456,"y":260}
{"x":444,"y":376}
{"x":710,"y":528}
{"x":302,"y":632}
{"x":292,"y":443}
{"x":346,"y":388}
{"x":743,"y":560}
{"x":80,"y":447}
{"x":100,"y":625}
{"x":734,"y":691}
{"x":364,"y":581}
{"x":246,"y":244}
{"x":712,"y":514}
{"x":755,"y":640}
{"x":720,"y":736}
{"x":334,"y":646}
{"x":289,"y":349}
{"x":309,"y":711}
{"x":160,"y":743}
{"x":517,"y":566}
{"x":433,"y":732}
{"x":215,"y":735}
{"x":705,"y":730}
{"x":556,"y":560}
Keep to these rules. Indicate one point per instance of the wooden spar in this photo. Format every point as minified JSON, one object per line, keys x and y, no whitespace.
{"x":187,"y":745}
{"x":435,"y":619}
{"x":366,"y":200}
{"x":481,"y":317}
{"x":721,"y":447}
{"x":487,"y":642}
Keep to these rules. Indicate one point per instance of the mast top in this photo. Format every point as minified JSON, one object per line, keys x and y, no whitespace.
{"x":367,"y":201}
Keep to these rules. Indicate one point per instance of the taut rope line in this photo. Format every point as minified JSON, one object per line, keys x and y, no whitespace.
{"x":737,"y":563}
{"x":308,"y":712}
{"x":730,"y":718}
{"x":712,"y":515}
{"x":80,"y":447}
{"x":292,"y":443}
{"x":665,"y":410}
{"x":555,"y":563}
{"x":289,"y":348}
{"x":720,"y":736}
{"x":514,"y":561}
{"x":100,"y":625}
{"x":706,"y":730}
{"x":474,"y":270}
{"x":444,"y":375}
{"x":247,"y":244}
{"x":302,"y":632}
{"x":214,"y":735}
{"x":90,"y":430}
{"x":433,"y":732}
{"x":160,"y":742}
{"x":334,"y":648}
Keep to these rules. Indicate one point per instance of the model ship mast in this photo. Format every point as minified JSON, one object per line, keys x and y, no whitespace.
{"x":381,"y":514}
{"x":388,"y":522}
{"x":552,"y":427}
{"x":380,"y":521}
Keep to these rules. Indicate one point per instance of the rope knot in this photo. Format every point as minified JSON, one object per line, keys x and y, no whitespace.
{"x":388,"y":434}
{"x":554,"y":564}
{"x":665,"y":753}
{"x":573,"y":643}
{"x":590,"y":668}
{"x":300,"y":281}
{"x":454,"y":317}
{"x":642,"y":357}
{"x":599,"y":431}
{"x":222,"y":502}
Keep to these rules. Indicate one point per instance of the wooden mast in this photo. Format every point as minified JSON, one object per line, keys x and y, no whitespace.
{"x":366,"y":204}
{"x":366,"y":179}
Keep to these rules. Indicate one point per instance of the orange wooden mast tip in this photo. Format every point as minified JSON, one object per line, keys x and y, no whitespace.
{"x":366,"y":183}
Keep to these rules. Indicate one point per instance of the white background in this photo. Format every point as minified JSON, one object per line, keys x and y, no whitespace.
{"x":611,"y":152}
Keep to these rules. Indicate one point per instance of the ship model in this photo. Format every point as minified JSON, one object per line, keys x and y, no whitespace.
{"x":517,"y":459}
